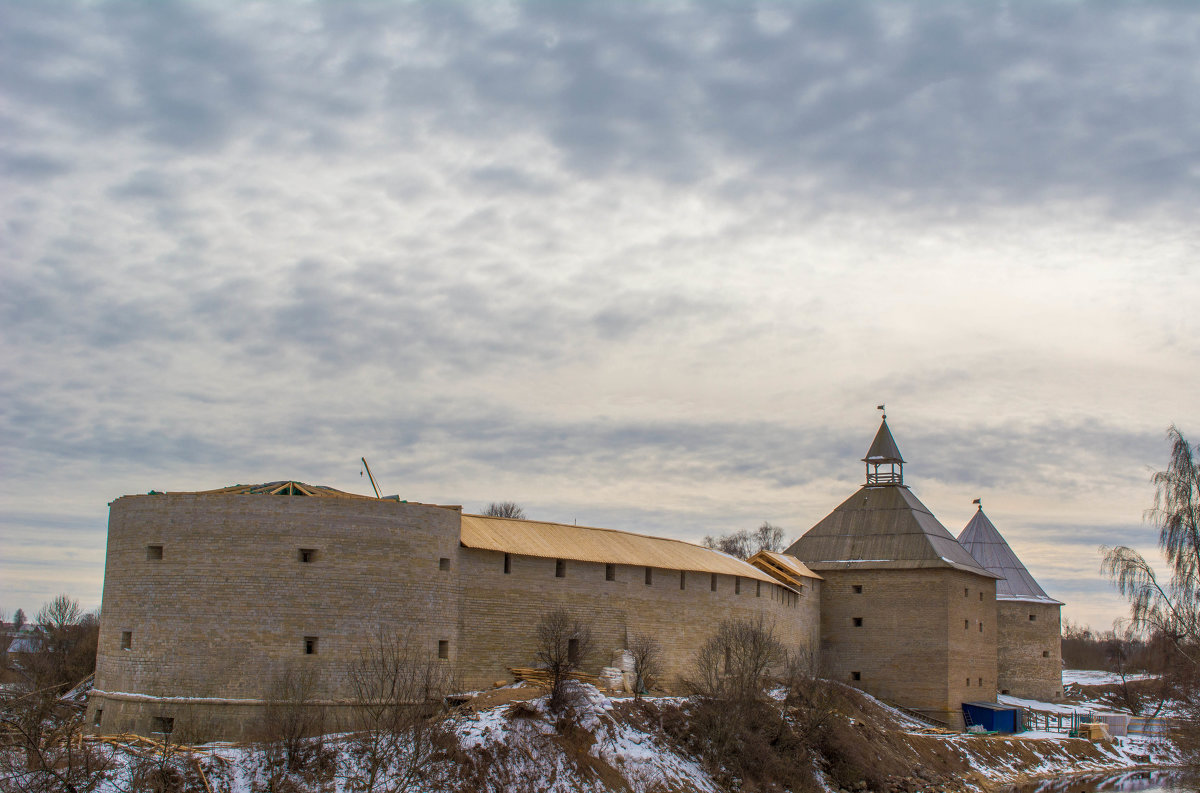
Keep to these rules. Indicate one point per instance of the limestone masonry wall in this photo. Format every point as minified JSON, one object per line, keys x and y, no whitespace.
{"x":899,"y":635}
{"x":230,"y":604}
{"x":501,"y":610}
{"x":1030,"y":650}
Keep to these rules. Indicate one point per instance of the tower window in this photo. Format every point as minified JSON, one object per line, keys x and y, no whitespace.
{"x":980,"y":682}
{"x":1032,"y":617}
{"x":310,"y":645}
{"x":162,"y":724}
{"x":737,"y":585}
{"x":856,"y":675}
{"x":682,"y":579}
{"x":981,"y":596}
{"x":968,"y":682}
{"x":99,"y":715}
{"x":966,"y":592}
{"x":649,"y":576}
{"x":572,"y":650}
{"x":610,"y":572}
{"x":858,"y":622}
{"x":154,"y":552}
{"x":126,"y":640}
{"x":443,"y":648}
{"x":308,"y":555}
{"x":507,"y":563}
{"x":758,"y":589}
{"x":443,"y":564}
{"x":981,"y":626}
{"x":1045,"y":653}
{"x":858,"y":589}
{"x":560,"y":568}
{"x":966,"y":625}
{"x":712,"y":587}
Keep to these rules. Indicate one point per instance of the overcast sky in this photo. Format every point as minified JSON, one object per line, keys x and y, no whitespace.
{"x":648,"y":266}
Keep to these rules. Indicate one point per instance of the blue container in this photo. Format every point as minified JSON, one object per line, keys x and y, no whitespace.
{"x":992,"y":717}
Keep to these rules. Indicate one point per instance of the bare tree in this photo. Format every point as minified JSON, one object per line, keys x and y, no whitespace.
{"x":743,"y":544}
{"x":41,"y":746}
{"x":563,"y":646}
{"x":734,"y":664}
{"x":1171,"y":609}
{"x":504,"y":509}
{"x":291,"y":726}
{"x":398,"y":693}
{"x":647,"y":661}
{"x":769,"y":537}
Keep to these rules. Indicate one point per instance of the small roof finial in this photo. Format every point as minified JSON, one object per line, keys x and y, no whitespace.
{"x":979,"y":501}
{"x":881,"y":408}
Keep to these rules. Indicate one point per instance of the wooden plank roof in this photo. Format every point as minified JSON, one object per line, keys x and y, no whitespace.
{"x":884,"y":527}
{"x":984,"y":541}
{"x":590,"y":544}
{"x":281,"y":488}
{"x":786,"y":568}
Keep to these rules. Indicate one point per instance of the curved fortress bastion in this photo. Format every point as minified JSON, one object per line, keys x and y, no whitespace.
{"x":210,"y":597}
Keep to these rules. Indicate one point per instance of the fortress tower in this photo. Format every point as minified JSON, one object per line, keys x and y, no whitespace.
{"x":907,"y":614}
{"x":1029,"y":652}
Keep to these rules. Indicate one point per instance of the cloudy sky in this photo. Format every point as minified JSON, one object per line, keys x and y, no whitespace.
{"x":648,"y":266}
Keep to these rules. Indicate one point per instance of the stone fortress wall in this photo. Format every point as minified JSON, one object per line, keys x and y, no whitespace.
{"x":209,"y":598}
{"x":1030,"y":650}
{"x":911,"y":636}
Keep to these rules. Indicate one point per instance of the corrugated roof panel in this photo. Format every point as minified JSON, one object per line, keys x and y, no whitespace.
{"x":984,"y":541}
{"x":590,"y":544}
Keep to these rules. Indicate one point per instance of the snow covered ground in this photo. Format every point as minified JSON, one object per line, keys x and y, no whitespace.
{"x":1092,"y":677}
{"x":517,"y":746}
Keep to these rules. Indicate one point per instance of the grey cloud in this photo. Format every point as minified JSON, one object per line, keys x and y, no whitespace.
{"x":941,"y":105}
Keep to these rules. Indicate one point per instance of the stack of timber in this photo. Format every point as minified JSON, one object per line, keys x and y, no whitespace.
{"x":541,"y":677}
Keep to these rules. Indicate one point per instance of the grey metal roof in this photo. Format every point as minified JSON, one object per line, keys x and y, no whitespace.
{"x":986,"y":544}
{"x":884,"y":448}
{"x":882,"y":528}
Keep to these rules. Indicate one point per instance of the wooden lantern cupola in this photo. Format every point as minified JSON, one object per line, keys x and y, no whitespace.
{"x":885,"y":466}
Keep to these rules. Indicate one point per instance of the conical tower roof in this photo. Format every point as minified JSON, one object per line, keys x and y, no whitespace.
{"x":882,"y":528}
{"x":883,"y":448}
{"x":986,"y":544}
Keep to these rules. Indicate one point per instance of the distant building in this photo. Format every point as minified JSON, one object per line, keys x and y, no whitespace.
{"x":1029,"y":652}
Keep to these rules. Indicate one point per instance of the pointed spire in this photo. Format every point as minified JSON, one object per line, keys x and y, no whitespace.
{"x":988,"y":546}
{"x":884,"y":452}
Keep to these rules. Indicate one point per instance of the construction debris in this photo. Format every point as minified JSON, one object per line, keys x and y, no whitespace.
{"x":541,"y":677}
